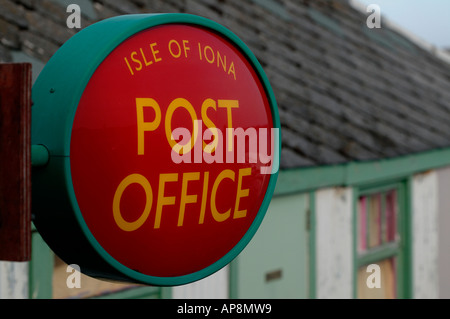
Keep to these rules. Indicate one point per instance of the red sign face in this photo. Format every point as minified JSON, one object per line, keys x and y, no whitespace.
{"x":169,"y":150}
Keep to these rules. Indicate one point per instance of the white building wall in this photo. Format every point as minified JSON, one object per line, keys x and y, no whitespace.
{"x":215,"y":286}
{"x":443,"y":176}
{"x":425,"y":234}
{"x":13,"y":280}
{"x":334,"y":254}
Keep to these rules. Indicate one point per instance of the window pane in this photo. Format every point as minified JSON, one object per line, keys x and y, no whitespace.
{"x":374,"y":222}
{"x":362,"y":224}
{"x":378,"y":282}
{"x":377,"y":223}
{"x":391,"y":215}
{"x":377,"y":220}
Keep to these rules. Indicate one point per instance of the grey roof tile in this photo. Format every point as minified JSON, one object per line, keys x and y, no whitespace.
{"x":345,"y":92}
{"x":291,"y":159}
{"x":13,"y":13}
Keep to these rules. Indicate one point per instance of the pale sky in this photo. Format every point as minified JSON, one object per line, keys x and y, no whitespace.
{"x":427,"y":19}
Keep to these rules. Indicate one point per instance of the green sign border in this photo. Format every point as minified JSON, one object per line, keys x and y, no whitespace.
{"x":59,"y":88}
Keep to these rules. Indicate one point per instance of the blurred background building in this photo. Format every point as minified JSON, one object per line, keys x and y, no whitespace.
{"x":365,"y":161}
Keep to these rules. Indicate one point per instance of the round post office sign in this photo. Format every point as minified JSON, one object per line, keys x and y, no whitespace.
{"x":162,"y":133}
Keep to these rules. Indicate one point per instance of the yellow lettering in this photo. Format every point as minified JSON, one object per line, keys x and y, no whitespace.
{"x":143,"y":58}
{"x":129,"y":67}
{"x":120,"y":221}
{"x":136,"y":61}
{"x":175,"y":104}
{"x":220,"y":217}
{"x":241,"y":193}
{"x":216,"y":57}
{"x":211,"y":59}
{"x":229,"y":104}
{"x":143,"y":126}
{"x":185,"y":47}
{"x":155,"y":52}
{"x":231,"y":70}
{"x":222,"y":62}
{"x":209,"y":148}
{"x":185,"y":198}
{"x":200,"y":51}
{"x":164,"y":200}
{"x":178,"y":48}
{"x":204,"y":196}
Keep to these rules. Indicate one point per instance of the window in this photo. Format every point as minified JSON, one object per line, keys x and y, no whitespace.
{"x":381,"y":241}
{"x":48,"y":279}
{"x":88,"y":287}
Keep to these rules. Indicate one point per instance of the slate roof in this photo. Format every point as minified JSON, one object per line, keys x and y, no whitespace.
{"x":345,"y":92}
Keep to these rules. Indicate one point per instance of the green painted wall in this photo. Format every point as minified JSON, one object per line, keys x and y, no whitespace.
{"x":279,"y":248}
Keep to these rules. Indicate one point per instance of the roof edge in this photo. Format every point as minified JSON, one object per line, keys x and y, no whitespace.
{"x":300,"y":180}
{"x":425,"y":45}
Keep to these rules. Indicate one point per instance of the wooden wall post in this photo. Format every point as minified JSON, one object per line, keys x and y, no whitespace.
{"x":15,"y":161}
